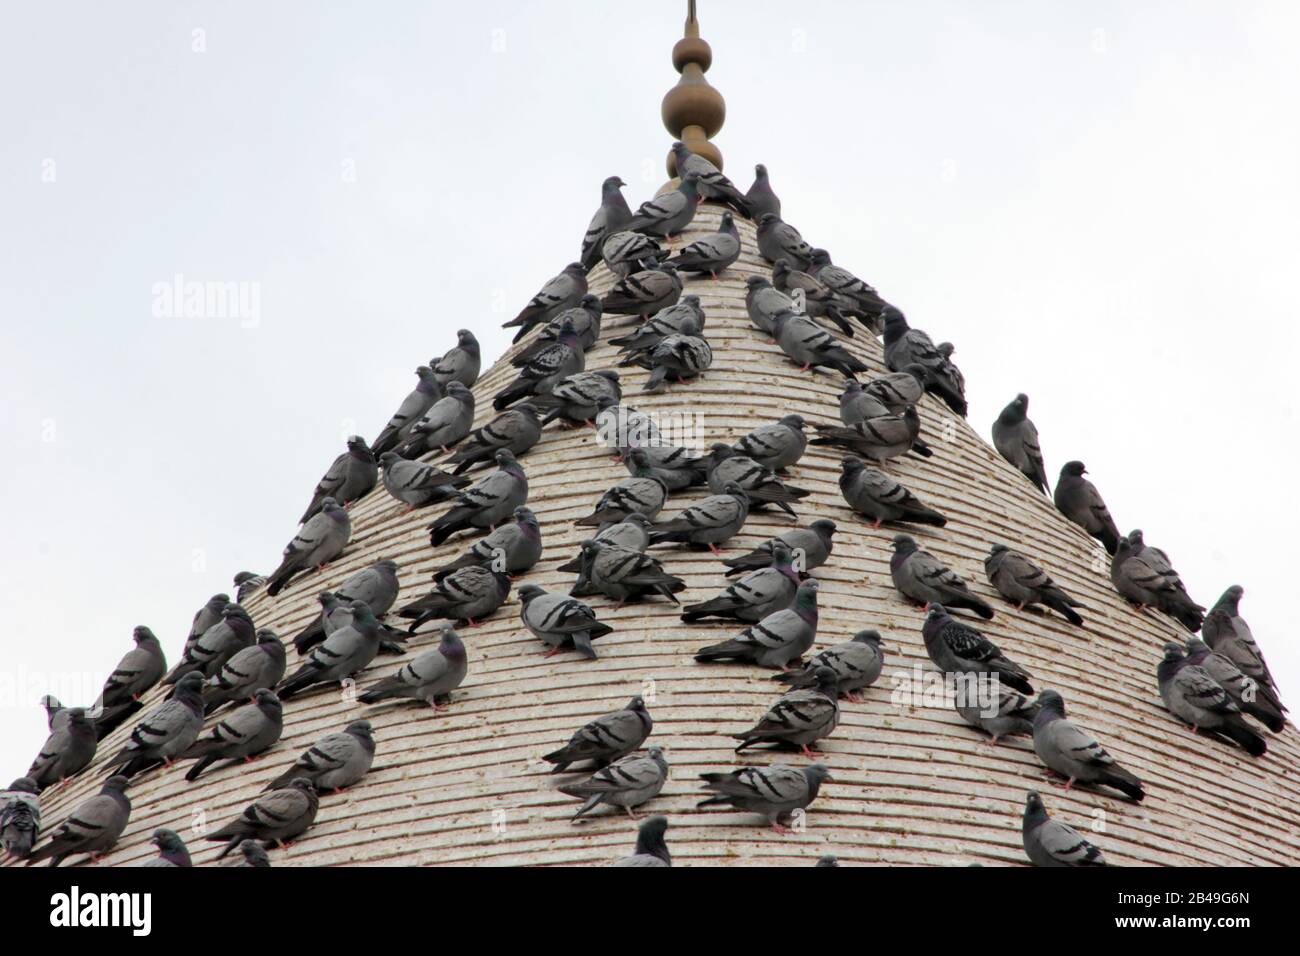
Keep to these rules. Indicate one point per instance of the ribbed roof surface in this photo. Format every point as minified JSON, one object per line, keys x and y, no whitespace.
{"x":912,"y":786}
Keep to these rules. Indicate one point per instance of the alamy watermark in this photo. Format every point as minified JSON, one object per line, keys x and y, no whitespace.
{"x":182,"y":298}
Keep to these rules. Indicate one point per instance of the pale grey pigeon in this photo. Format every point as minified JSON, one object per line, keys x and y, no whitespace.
{"x":426,"y":392}
{"x":810,"y":548}
{"x":712,"y":183}
{"x":486,"y":504}
{"x":799,"y":718}
{"x":513,"y":548}
{"x":624,"y":575}
{"x":754,"y":596}
{"x":879,"y":498}
{"x":628,"y":251}
{"x":562,"y":291}
{"x":67,"y":751}
{"x":515,"y":430}
{"x":643,"y":493}
{"x":417,"y":484}
{"x":650,"y":849}
{"x":669,"y":214}
{"x":139,"y":669}
{"x":317,"y":543}
{"x":447,"y":422}
{"x":777,"y":445}
{"x":1025,"y":584}
{"x":430,"y":678}
{"x":377,"y":585}
{"x":166,"y":732}
{"x":1193,"y":696}
{"x":778,"y":239}
{"x":646,"y":292}
{"x":774,"y":793}
{"x":93,"y":826}
{"x":275,"y":817}
{"x":460,"y":363}
{"x":241,"y":735}
{"x":334,"y":762}
{"x":712,"y":253}
{"x":662,"y":324}
{"x":628,"y":782}
{"x":1051,"y":843}
{"x":957,"y":648}
{"x":560,"y":621}
{"x":1071,"y":752}
{"x":342,"y":654}
{"x":607,"y":738}
{"x":1078,"y":499}
{"x":710,"y":522}
{"x":352,"y":476}
{"x":255,"y":668}
{"x":1016,"y":439}
{"x":774,"y":642}
{"x":764,"y":303}
{"x":466,"y":594}
{"x":761,"y":197}
{"x":878,"y":439}
{"x":20,"y":816}
{"x":1010,"y":714}
{"x":612,"y":215}
{"x":855,"y":664}
{"x":924,"y":579}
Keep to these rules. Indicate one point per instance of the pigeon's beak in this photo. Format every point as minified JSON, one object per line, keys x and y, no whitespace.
{"x":830,"y":778}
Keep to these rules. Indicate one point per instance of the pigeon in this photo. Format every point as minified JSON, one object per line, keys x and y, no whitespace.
{"x":897,"y":390}
{"x":1071,"y":751}
{"x":585,"y":320}
{"x":728,"y":467}
{"x":878,"y":497}
{"x":777,"y":640}
{"x":627,"y":252}
{"x":662,"y":324}
{"x":139,"y":669}
{"x":1050,"y":843}
{"x":344,"y":653}
{"x":712,"y":183}
{"x":827,"y":860}
{"x":764,"y":303}
{"x":1011,"y":715}
{"x":605,"y":739}
{"x":447,"y":422}
{"x":778,"y":445}
{"x":906,"y":346}
{"x":813,"y":298}
{"x":67,"y":751}
{"x":317,"y":543}
{"x":1227,"y":633}
{"x":624,"y":575}
{"x":668,"y":214}
{"x":810,"y":346}
{"x":219,"y":643}
{"x":879,"y":439}
{"x":847,"y":288}
{"x":563,"y":291}
{"x":778,"y":239}
{"x":800,"y":718}
{"x":257,"y":667}
{"x":643,"y":493}
{"x":1193,"y":614}
{"x":1192,"y":695}
{"x":334,"y":762}
{"x":710,"y":522}
{"x":512,"y":548}
{"x":1025,"y":584}
{"x":810,"y":547}
{"x":516,"y":430}
{"x":430,"y":678}
{"x":551,"y":364}
{"x":417,"y":484}
{"x":204,"y":618}
{"x":20,"y":816}
{"x":957,"y":648}
{"x":1244,"y":691}
{"x":679,"y":357}
{"x":710,"y":254}
{"x":427,"y":391}
{"x":857,"y":404}
{"x":578,"y":398}
{"x":171,"y":849}
{"x":276,"y":817}
{"x":855,"y":664}
{"x":646,"y":292}
{"x":678,"y":468}
{"x":247,"y":582}
{"x":1077,"y":498}
{"x":240,"y":735}
{"x":487,"y":503}
{"x":612,"y":216}
{"x":377,"y":585}
{"x":460,"y":363}
{"x":752,"y":597}
{"x":166,"y":732}
{"x":775,"y":792}
{"x":650,"y":849}
{"x":623,"y":428}
{"x":761,"y":198}
{"x":632,"y":534}
{"x":1016,"y":439}
{"x":627,"y":782}
{"x":254,"y":854}
{"x":352,"y":476}
{"x":1142,"y":578}
{"x":924,"y":579}
{"x":466,"y":594}
{"x":560,"y":621}
{"x":93,"y":826}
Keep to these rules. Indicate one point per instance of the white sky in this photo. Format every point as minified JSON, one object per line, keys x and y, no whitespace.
{"x":1096,"y":202}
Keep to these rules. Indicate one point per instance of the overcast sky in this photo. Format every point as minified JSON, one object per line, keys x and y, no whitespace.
{"x":1097,"y":202}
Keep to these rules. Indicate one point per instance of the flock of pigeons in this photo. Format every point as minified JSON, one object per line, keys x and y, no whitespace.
{"x":231,"y":668}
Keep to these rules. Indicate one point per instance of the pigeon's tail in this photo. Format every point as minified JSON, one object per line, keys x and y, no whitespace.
{"x":723,"y":607}
{"x":280,"y":579}
{"x":1017,"y":680}
{"x":753,"y":561}
{"x":386,"y":441}
{"x":972,"y":603}
{"x":725,"y":651}
{"x":1245,"y":737}
{"x":200,"y":766}
{"x":111,"y":718}
{"x":801,"y":678}
{"x":303,"y":679}
{"x":949,"y":395}
{"x":1185,"y":611}
{"x":1109,"y":538}
{"x":571,"y":567}
{"x":1266,"y":712}
{"x":1125,"y":782}
{"x":520,"y":388}
{"x":310,"y":636}
{"x":1061,"y":605}
{"x":457,"y":519}
{"x":922,"y":515}
{"x":921,"y":448}
{"x":386,"y":689}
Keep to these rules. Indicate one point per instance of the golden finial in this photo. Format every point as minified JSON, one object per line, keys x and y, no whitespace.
{"x":693,"y":111}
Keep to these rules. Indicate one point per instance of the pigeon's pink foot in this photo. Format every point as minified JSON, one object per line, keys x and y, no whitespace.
{"x":782,"y":830}
{"x":875,"y":525}
{"x":991,"y":742}
{"x":853,"y":698}
{"x":715,"y":550}
{"x":810,"y":753}
{"x":552,"y":652}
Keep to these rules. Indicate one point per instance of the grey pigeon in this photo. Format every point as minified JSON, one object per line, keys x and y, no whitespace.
{"x":420,"y":400}
{"x":628,"y":251}
{"x":612,"y":216}
{"x":662,"y":324}
{"x":1078,"y":499}
{"x":466,"y":594}
{"x":139,"y":669}
{"x":204,"y":618}
{"x":460,"y":363}
{"x":778,"y":239}
{"x":676,"y":467}
{"x":848,"y":289}
{"x":352,"y":476}
{"x":334,"y":762}
{"x":512,"y":549}
{"x":727,"y":466}
{"x":584,"y":319}
{"x":925,"y":579}
{"x":376,"y":585}
{"x":810,"y":547}
{"x":20,"y":816}
{"x":628,"y":782}
{"x":906,"y":346}
{"x":1244,"y":691}
{"x":219,"y":643}
{"x":258,"y":667}
{"x":712,"y":183}
{"x":607,"y":738}
{"x":166,"y":732}
{"x":957,"y":648}
{"x":774,"y":642}
{"x":417,"y":484}
{"x":623,"y":427}
{"x":515,"y":430}
{"x":650,"y":849}
{"x":246,"y":583}
{"x":827,"y":860}
{"x":322,"y":539}
{"x":754,"y":596}
{"x":67,"y":751}
{"x":1070,"y":751}
{"x":710,"y":254}
{"x":1011,"y":714}
{"x":430,"y":678}
{"x":777,"y":445}
{"x":678,"y":357}
{"x":1051,"y":843}
{"x":447,"y":422}
{"x":579,"y":397}
{"x":560,"y":621}
{"x":764,"y":303}
{"x":810,"y":346}
{"x":172,"y":851}
{"x":632,"y":534}
{"x":253,"y":854}
{"x":643,"y":493}
{"x":342,"y":654}
{"x":624,"y":575}
{"x":1144,"y":578}
{"x":1025,"y":584}
{"x":897,"y":390}
{"x":1193,"y":696}
{"x":799,"y":718}
{"x":93,"y":826}
{"x":855,"y":664}
{"x":814,"y":298}
{"x":879,"y":439}
{"x":1227,"y":633}
{"x":241,"y":735}
{"x":710,"y":522}
{"x":668,"y":214}
{"x":545,"y":368}
{"x":774,"y":792}
{"x":1190,"y":613}
{"x":563,"y":291}
{"x":486,"y":504}
{"x":1016,"y":439}
{"x":646,"y":292}
{"x":760,"y":196}
{"x":275,"y":817}
{"x":879,"y":498}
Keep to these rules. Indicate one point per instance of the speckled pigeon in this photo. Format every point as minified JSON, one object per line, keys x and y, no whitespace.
{"x":548,"y":366}
{"x":958,"y":648}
